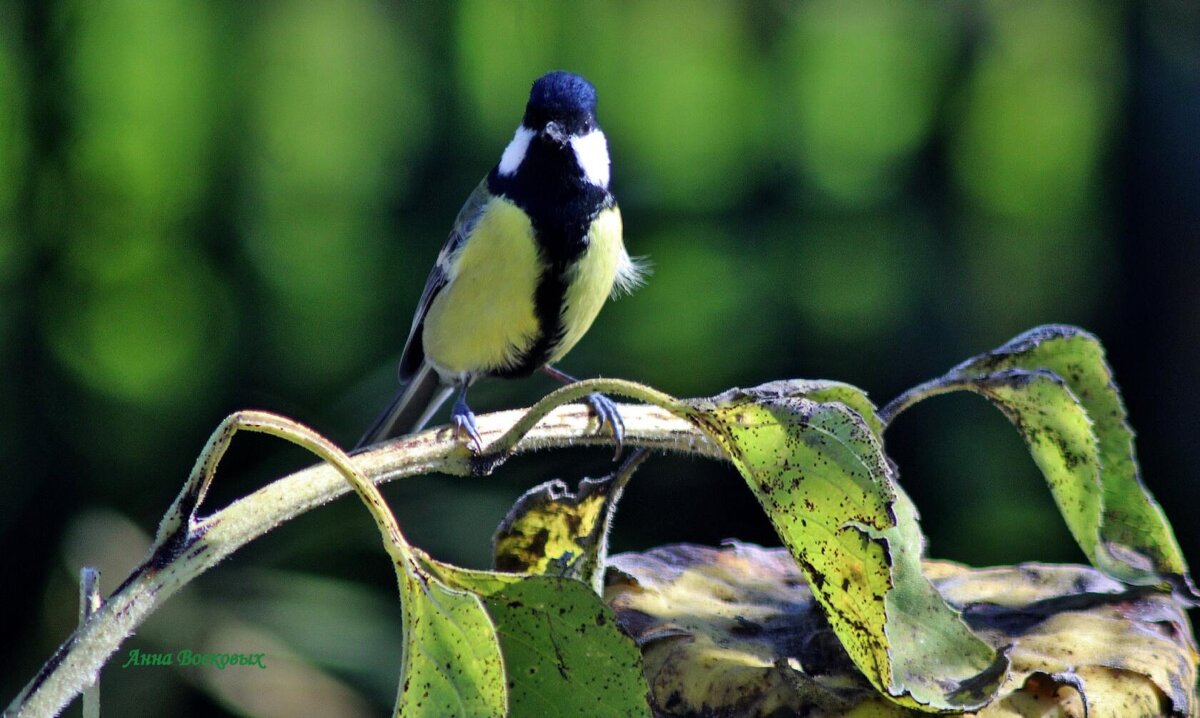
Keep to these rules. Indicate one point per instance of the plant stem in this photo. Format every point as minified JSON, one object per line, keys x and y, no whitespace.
{"x":89,"y":603}
{"x":941,"y":385}
{"x":188,"y":545}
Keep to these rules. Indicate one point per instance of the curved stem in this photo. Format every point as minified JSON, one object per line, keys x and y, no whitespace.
{"x":188,"y":545}
{"x":895,"y":407}
{"x":574,"y":392}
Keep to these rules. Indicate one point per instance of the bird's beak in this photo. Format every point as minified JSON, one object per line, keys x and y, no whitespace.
{"x":555,"y":132}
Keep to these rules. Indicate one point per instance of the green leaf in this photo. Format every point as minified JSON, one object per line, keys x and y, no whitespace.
{"x":1059,"y":436}
{"x":1125,"y":532}
{"x":452,"y":663}
{"x":565,"y":653}
{"x":551,"y":531}
{"x":563,"y":650}
{"x":853,"y":397}
{"x":819,"y":471}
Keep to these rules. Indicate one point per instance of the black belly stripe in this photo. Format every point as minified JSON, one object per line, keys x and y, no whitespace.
{"x":548,"y":306}
{"x":561,"y":205}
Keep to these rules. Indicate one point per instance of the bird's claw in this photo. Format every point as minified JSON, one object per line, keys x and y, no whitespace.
{"x":464,"y":425}
{"x":607,"y":414}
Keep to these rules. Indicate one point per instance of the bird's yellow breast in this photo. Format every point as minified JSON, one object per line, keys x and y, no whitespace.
{"x":484,"y":318}
{"x":591,"y":278}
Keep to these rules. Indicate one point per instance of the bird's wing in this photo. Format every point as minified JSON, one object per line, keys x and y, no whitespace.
{"x":439,"y":277}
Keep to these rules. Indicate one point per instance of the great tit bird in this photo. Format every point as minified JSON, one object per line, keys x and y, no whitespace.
{"x":533,"y":255}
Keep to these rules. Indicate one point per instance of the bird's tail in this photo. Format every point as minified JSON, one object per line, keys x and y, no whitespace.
{"x":410,"y":409}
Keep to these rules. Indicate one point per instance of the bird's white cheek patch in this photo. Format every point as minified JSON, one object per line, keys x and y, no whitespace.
{"x":514,"y":154}
{"x":591,"y":152}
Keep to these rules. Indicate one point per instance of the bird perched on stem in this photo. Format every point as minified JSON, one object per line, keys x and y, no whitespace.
{"x":532,"y":257}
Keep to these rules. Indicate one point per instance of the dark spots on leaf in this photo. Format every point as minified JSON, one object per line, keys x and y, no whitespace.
{"x":886,"y":554}
{"x":815,"y":578}
{"x":573,"y":523}
{"x":511,"y":563}
{"x":537,"y":544}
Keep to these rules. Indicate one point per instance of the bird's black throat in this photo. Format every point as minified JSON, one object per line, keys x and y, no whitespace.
{"x":550,"y":187}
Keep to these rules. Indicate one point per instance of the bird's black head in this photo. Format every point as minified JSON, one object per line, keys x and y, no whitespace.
{"x":561,"y":105}
{"x":558,"y":143}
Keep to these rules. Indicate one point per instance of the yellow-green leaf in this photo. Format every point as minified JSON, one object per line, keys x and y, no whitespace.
{"x":819,"y":471}
{"x":1132,"y":540}
{"x":851,"y":396}
{"x":1059,"y":436}
{"x":563,"y":651}
{"x":452,"y":663}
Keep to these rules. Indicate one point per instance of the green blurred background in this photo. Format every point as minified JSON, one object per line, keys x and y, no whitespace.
{"x":208,"y":206}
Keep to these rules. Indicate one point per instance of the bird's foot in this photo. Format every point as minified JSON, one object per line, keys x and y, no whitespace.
{"x":604,"y":408}
{"x":464,"y":425}
{"x":607,"y":414}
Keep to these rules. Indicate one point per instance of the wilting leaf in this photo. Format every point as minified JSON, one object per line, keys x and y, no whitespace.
{"x":732,"y":627}
{"x":551,"y":531}
{"x":1128,"y":652}
{"x":1059,"y":436}
{"x":1132,"y":539}
{"x":736,"y":631}
{"x":820,"y":473}
{"x":452,"y":663}
{"x":564,"y":652}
